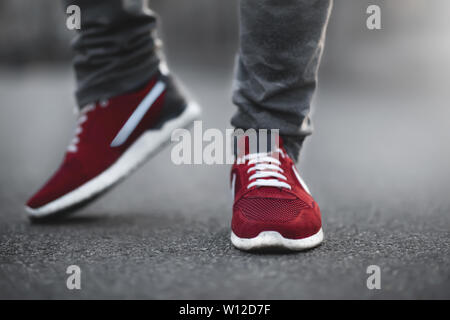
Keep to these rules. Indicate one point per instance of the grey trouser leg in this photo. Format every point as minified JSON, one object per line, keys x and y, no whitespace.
{"x":281,"y":43}
{"x":115,"y":50}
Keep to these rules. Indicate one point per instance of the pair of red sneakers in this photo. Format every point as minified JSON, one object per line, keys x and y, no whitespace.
{"x":272,"y":206}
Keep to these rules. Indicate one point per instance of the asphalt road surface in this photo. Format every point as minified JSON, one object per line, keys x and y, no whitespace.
{"x":378,"y":165}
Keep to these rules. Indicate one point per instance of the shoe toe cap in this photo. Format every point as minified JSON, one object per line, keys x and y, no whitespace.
{"x":68,"y":177}
{"x":292,"y":219}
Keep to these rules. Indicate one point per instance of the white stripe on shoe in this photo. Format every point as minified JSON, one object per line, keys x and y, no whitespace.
{"x":233,"y":185}
{"x":300,"y":180}
{"x":138,"y":114}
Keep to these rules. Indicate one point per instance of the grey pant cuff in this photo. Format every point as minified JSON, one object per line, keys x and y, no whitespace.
{"x":115,"y":87}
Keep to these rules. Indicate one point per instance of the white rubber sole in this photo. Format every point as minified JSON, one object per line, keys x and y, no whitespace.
{"x":142,"y":149}
{"x":273,"y":239}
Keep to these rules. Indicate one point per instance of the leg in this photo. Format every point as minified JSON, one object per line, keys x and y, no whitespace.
{"x":281,"y":43}
{"x":115,"y":51}
{"x":130,"y":107}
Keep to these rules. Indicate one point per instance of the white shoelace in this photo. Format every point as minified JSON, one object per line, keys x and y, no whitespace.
{"x":266,"y":166}
{"x":73,"y":145}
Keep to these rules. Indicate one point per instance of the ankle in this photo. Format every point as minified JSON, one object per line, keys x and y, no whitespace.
{"x":292,"y":146}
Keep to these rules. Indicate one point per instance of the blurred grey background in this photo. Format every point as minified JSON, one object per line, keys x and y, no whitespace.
{"x":378,"y":164}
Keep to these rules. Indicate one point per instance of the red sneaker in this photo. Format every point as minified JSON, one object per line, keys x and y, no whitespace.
{"x":112,"y":139}
{"x":272,"y":205}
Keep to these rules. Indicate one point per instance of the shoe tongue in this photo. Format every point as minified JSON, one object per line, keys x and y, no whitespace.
{"x":264,"y":142}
